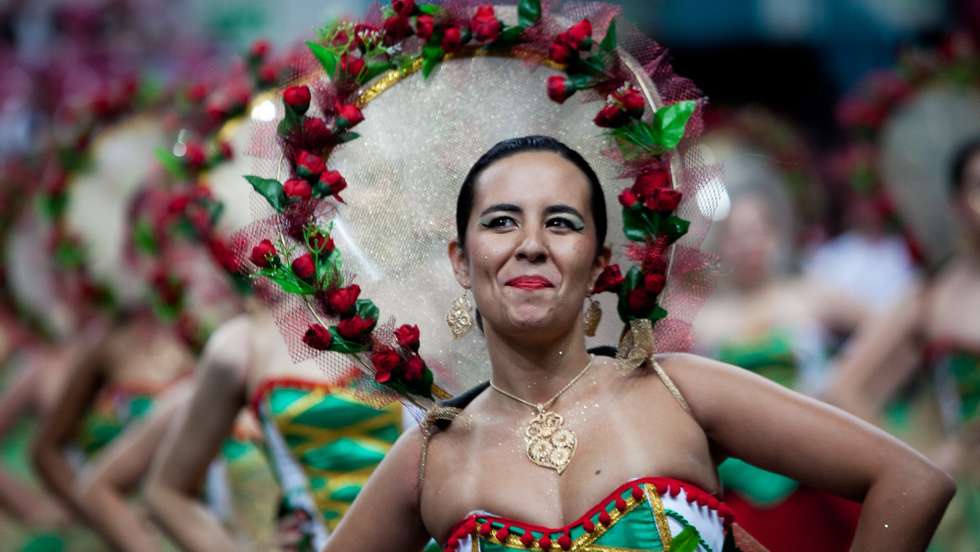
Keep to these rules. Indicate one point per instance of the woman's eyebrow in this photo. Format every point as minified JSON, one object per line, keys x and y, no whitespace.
{"x":506,"y":207}
{"x":563,"y":209}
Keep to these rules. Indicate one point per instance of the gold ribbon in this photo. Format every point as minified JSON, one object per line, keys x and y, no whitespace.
{"x":637,"y":345}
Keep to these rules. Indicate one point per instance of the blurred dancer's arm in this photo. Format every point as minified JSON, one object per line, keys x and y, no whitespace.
{"x":864,"y":379}
{"x":903,"y":495}
{"x":173,"y":488}
{"x":17,"y":498}
{"x":103,"y":484}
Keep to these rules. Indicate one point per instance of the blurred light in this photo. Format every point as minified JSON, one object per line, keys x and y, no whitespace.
{"x":713,"y":200}
{"x":265,"y":111}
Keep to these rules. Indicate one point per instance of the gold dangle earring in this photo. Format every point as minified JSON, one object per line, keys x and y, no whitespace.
{"x":459,"y":319}
{"x":593,"y":315}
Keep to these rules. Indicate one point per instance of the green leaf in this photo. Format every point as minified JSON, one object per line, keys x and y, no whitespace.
{"x":633,"y":280}
{"x":433,"y":56}
{"x":327,"y":267}
{"x":373,"y":69}
{"x":670,"y":123}
{"x":327,"y":57}
{"x":347,"y":137}
{"x":340,"y":344}
{"x":592,"y":66}
{"x":270,"y":189}
{"x":528,"y":13}
{"x":215,"y":210}
{"x":290,"y":121}
{"x":659,"y":313}
{"x":431,"y":9}
{"x":366,"y":308}
{"x":609,"y":42}
{"x":509,"y":37}
{"x":283,"y":277}
{"x":687,"y":540}
{"x":171,"y":163}
{"x":53,"y":205}
{"x":675,"y":227}
{"x":640,"y":224}
{"x":143,"y":237}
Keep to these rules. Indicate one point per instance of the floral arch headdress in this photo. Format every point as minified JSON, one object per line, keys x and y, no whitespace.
{"x":358,"y":175}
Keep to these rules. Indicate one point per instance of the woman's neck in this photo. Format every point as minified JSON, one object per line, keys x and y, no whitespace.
{"x":536,"y":371}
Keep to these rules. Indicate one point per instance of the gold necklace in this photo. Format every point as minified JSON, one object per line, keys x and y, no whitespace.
{"x":549,"y":443}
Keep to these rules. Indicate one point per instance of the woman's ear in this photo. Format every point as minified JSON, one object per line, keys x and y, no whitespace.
{"x":600,"y":263}
{"x":461,"y":269}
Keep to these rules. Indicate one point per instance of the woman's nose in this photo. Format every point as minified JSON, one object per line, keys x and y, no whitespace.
{"x":532,"y":249}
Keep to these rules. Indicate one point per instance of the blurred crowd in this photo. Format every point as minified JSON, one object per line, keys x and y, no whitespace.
{"x":846,"y":268}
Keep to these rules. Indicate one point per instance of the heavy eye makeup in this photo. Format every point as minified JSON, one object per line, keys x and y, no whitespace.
{"x":560,"y":217}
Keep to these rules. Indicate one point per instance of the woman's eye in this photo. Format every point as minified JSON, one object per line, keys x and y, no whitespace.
{"x":564,"y":223}
{"x":499,"y":222}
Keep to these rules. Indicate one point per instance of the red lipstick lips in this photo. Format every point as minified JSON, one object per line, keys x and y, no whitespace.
{"x":530,"y":282}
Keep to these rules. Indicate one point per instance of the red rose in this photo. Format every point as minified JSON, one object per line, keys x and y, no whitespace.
{"x":408,"y":336}
{"x":485,"y":25}
{"x":264,"y":254}
{"x":223,"y":255}
{"x":316,"y":134}
{"x":414,"y":368}
{"x":343,"y":300}
{"x":628,"y":198}
{"x":397,"y":28}
{"x":560,"y":88}
{"x":320,"y":244}
{"x":579,"y":35}
{"x":355,"y":328}
{"x":297,"y":188}
{"x":259,"y":49}
{"x":425,"y":25}
{"x":177,"y":204}
{"x":304,"y":267}
{"x":639,"y":301}
{"x":351,"y":65}
{"x":197,"y":93}
{"x":224,"y":149}
{"x":654,"y":263}
{"x":309,"y":165}
{"x":452,"y":39}
{"x":654,"y":283}
{"x":665,"y":200}
{"x":216,"y":113}
{"x":385,"y":361}
{"x":403,"y":7}
{"x":334,"y":181}
{"x":647,"y":184}
{"x":194,"y":156}
{"x":632,"y":101}
{"x":297,"y":98}
{"x":559,"y":52}
{"x":268,"y":74}
{"x":348,"y":115}
{"x":318,"y":337}
{"x":609,"y":280}
{"x":611,"y":116}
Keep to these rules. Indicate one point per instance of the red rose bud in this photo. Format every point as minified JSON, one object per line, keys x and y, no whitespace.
{"x":639,"y":301}
{"x":425,"y":25}
{"x":403,"y":7}
{"x":259,"y":49}
{"x":647,"y":184}
{"x":297,"y":98}
{"x":194,"y":156}
{"x":224,"y":256}
{"x":224,"y":149}
{"x":408,"y":336}
{"x":611,"y":116}
{"x":309,"y":165}
{"x":559,"y":52}
{"x":316,"y":134}
{"x":628,"y":198}
{"x":632,"y":101}
{"x":334,"y":181}
{"x":385,"y":361}
{"x":579,"y":35}
{"x":297,"y":189}
{"x":177,"y":204}
{"x":197,"y":93}
{"x":654,"y":263}
{"x":216,"y":113}
{"x":320,"y":244}
{"x":609,"y":280}
{"x":414,"y":368}
{"x":452,"y":40}
{"x":343,"y":300}
{"x":654,"y":283}
{"x":667,"y":200}
{"x":355,"y":328}
{"x":268,"y":74}
{"x":560,"y":88}
{"x":485,"y":25}
{"x":397,"y":28}
{"x":348,"y":115}
{"x":351,"y":65}
{"x":304,"y":268}
{"x":318,"y":337}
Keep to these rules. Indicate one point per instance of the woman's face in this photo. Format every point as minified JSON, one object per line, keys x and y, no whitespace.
{"x":529,"y":256}
{"x":749,"y":244}
{"x":968,"y":203}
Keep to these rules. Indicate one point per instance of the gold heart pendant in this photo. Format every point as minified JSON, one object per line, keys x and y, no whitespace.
{"x":549,"y":443}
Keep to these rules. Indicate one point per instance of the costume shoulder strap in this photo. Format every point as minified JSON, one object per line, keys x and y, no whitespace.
{"x":669,"y":384}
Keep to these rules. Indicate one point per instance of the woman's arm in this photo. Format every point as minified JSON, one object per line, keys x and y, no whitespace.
{"x":903,"y":494}
{"x":192,"y":442}
{"x":864,"y":379}
{"x":104,"y":483}
{"x":17,"y":498}
{"x":393,"y":490}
